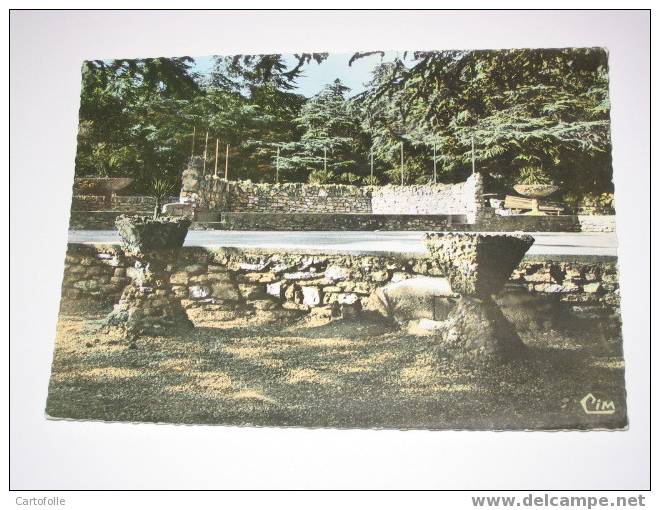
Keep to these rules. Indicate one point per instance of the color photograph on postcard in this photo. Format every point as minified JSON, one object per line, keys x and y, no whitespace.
{"x":381,"y":239}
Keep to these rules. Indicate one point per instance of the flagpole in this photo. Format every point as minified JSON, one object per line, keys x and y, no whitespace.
{"x":217,"y":145}
{"x":227,"y":164}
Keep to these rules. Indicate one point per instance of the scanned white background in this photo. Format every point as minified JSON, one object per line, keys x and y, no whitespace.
{"x":46,"y":53}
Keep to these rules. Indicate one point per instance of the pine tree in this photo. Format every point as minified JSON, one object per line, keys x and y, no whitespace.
{"x":331,"y":147}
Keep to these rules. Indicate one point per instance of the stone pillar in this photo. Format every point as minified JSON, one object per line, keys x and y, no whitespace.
{"x":473,"y":197}
{"x":148,"y":305}
{"x":478,"y":265}
{"x":190,"y":182}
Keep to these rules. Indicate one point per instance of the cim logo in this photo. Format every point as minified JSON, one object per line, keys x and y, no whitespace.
{"x":593,"y":405}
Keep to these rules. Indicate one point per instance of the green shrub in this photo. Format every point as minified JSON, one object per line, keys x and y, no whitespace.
{"x":321,"y":177}
{"x":349,"y":178}
{"x":533,"y":175}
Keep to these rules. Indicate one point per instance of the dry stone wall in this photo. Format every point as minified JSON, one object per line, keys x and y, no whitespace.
{"x":92,"y":212}
{"x":123,"y":203}
{"x":462,"y":198}
{"x":327,"y":221}
{"x":224,"y":281}
{"x":488,"y":221}
{"x":437,"y":199}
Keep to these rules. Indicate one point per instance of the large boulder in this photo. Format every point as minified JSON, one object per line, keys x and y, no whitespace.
{"x":421,"y":297}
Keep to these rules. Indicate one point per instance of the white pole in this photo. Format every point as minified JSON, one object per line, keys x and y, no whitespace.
{"x":435,"y":171}
{"x":217,"y":145}
{"x":277,"y":166}
{"x":325,"y":159}
{"x":206,"y":143}
{"x":227,"y":164}
{"x":472,"y":153}
{"x":372,"y":162}
{"x":401,"y":163}
{"x":192,"y":153}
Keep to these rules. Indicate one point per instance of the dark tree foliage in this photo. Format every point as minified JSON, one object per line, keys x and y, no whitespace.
{"x":526,"y":112}
{"x":331,"y":147}
{"x":521,"y":108}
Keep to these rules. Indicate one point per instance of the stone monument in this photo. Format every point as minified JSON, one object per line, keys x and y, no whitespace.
{"x":478,"y":265}
{"x":148,"y":304}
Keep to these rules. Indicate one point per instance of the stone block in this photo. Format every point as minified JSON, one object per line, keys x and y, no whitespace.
{"x":592,"y":288}
{"x":201,"y":279}
{"x":275,"y":289}
{"x":258,"y":267}
{"x":322,"y":313}
{"x":556,"y":287}
{"x":226,"y":291}
{"x":179,"y":278}
{"x":311,"y":296}
{"x":542,"y":276}
{"x":180,"y":291}
{"x":178,"y":209}
{"x":258,"y":277}
{"x":336,"y":273}
{"x":86,"y":285}
{"x":264,"y":304}
{"x":301,"y":275}
{"x":195,"y":269}
{"x":347,"y":299}
{"x":362,"y":288}
{"x":199,"y":291}
{"x":379,"y":276}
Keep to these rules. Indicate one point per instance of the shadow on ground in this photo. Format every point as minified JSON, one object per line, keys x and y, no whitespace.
{"x":360,"y":373}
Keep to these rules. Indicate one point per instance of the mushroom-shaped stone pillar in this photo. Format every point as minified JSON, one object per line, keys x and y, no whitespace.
{"x":148,"y":304}
{"x":478,"y":265}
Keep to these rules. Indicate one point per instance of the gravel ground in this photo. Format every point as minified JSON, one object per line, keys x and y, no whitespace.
{"x":344,"y":374}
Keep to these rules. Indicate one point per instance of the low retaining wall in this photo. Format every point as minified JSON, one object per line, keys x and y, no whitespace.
{"x":596,"y":223}
{"x":436,"y":199}
{"x":105,"y":220}
{"x":92,"y":212}
{"x":311,"y":282}
{"x":93,"y":220}
{"x":348,"y":222}
{"x":488,"y":221}
{"x":124,"y":203}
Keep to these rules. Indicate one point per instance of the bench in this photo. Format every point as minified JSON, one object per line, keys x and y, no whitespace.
{"x":531,"y":204}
